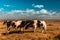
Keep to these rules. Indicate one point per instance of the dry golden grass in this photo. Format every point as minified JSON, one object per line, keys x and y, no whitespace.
{"x":52,"y":33}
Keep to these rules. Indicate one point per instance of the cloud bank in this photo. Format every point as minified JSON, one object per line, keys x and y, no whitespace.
{"x":28,"y":14}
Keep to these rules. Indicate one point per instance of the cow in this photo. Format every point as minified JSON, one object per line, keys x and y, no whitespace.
{"x":35,"y":24}
{"x":10,"y":24}
{"x":26,"y":24}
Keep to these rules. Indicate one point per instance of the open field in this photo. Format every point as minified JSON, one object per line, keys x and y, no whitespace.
{"x":52,"y":33}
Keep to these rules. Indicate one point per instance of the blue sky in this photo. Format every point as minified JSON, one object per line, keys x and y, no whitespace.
{"x":22,"y":9}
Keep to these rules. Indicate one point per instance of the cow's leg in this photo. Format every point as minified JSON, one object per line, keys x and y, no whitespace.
{"x":19,"y":28}
{"x":44,"y":29}
{"x":35,"y":28}
{"x":7,"y":29}
{"x":35,"y":25}
{"x":22,"y":29}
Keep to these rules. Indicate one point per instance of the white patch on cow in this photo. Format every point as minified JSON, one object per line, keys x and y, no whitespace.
{"x":17,"y":23}
{"x":44,"y":26}
{"x":35,"y":25}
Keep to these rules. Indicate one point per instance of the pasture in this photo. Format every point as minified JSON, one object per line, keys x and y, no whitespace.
{"x":52,"y":33}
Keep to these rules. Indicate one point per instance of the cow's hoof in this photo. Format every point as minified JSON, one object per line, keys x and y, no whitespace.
{"x":44,"y":32}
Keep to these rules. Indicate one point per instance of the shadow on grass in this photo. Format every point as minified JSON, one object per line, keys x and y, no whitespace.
{"x":17,"y":32}
{"x":13,"y":32}
{"x":57,"y":37}
{"x":50,"y":25}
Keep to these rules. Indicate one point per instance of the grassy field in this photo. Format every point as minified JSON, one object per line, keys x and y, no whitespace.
{"x":52,"y":33}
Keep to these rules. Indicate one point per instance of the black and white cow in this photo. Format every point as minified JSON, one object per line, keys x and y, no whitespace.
{"x":26,"y":24}
{"x":8,"y":24}
{"x":37,"y":23}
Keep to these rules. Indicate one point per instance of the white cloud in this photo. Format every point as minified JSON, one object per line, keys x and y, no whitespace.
{"x":46,"y":12}
{"x":28,"y":13}
{"x":1,"y":9}
{"x":6,"y":5}
{"x":43,"y":11}
{"x":37,"y":6}
{"x":38,"y":12}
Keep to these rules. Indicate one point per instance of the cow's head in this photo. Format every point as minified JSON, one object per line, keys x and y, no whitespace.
{"x":5,"y":22}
